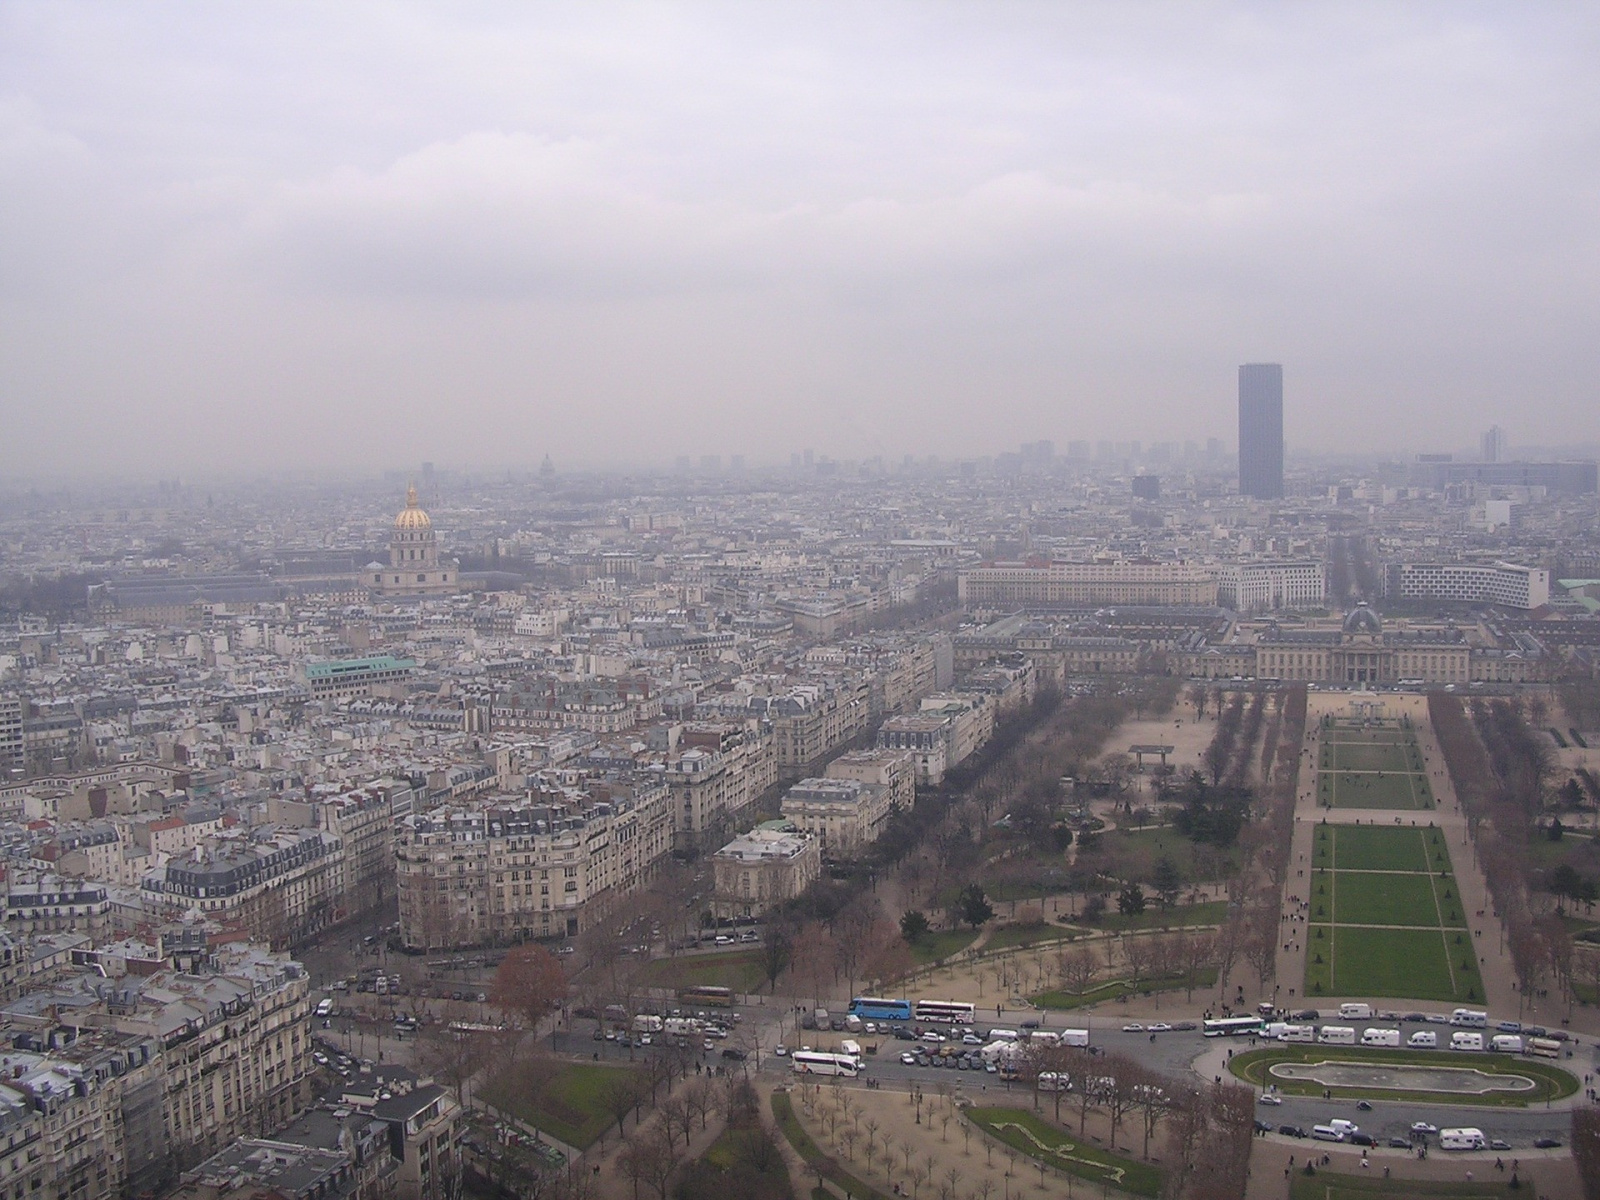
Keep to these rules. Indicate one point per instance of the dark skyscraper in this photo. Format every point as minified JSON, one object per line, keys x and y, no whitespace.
{"x":1261,"y":430}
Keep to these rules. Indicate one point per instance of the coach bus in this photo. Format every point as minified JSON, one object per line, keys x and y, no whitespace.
{"x":816,"y":1062}
{"x":871,"y":1008}
{"x":1233,"y":1027}
{"x":951,"y":1012}
{"x":711,"y":997}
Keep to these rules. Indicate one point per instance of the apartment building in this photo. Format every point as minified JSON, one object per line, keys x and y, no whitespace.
{"x":845,"y":816}
{"x":234,"y":1045}
{"x":762,"y":869}
{"x":1472,"y":583}
{"x":1264,"y":586}
{"x":278,"y":885}
{"x":546,"y":865}
{"x":1070,"y":584}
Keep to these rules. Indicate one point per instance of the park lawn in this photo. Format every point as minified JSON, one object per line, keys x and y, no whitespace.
{"x":1211,"y":912}
{"x":1137,"y":851}
{"x":1371,"y":848}
{"x":941,"y":944}
{"x":739,"y":970}
{"x":565,"y":1100}
{"x":1050,"y":1144}
{"x":1378,"y":898}
{"x":1330,"y":1185}
{"x":1401,"y":963}
{"x":1403,"y":792}
{"x":1552,"y":1082}
{"x":1110,"y":989}
{"x":1009,"y":937}
{"x":1368,"y":756}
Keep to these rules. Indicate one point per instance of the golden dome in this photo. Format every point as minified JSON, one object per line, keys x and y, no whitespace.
{"x":412,"y":516}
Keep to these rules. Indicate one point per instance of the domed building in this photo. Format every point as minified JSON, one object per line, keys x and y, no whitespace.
{"x":414,"y":568}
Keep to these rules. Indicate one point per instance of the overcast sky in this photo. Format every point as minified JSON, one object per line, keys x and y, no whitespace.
{"x":262,"y":234}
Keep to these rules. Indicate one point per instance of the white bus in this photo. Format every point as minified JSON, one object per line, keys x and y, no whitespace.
{"x":950,"y":1012}
{"x":815,"y":1062}
{"x":1337,"y":1035}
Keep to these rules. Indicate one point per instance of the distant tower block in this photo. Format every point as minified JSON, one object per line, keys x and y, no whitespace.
{"x":1261,"y":431}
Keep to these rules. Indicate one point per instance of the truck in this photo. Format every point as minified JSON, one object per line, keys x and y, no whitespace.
{"x":1466,"y":1041}
{"x":1469,"y":1018}
{"x":1380,"y":1037}
{"x":1337,"y":1035}
{"x":1506,"y":1043}
{"x":1461,"y":1139}
{"x":1355,"y":1012}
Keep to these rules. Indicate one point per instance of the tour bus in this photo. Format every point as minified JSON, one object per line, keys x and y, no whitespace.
{"x":1233,"y":1027}
{"x":816,"y":1062}
{"x":1074,"y":1037}
{"x":1506,"y":1043}
{"x":951,"y":1012}
{"x":1423,"y":1039}
{"x":1337,"y":1035}
{"x":1544,"y":1047}
{"x":1299,"y":1033}
{"x":1461,"y":1139}
{"x":325,"y":1007}
{"x":1380,"y":1037}
{"x":873,"y":1008}
{"x":1466,"y":1041}
{"x":1469,"y":1018}
{"x":1355,"y":1012}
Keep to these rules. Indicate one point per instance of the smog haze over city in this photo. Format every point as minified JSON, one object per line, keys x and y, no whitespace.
{"x":349,"y":237}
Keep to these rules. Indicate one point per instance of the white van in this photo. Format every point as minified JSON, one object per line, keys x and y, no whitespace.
{"x":1466,"y":1041}
{"x":1380,"y":1037}
{"x":1355,"y":1012}
{"x":1423,"y":1039}
{"x":1299,"y":1033}
{"x":1461,"y":1139}
{"x":1506,"y":1043}
{"x":1337,"y":1035}
{"x":1469,"y":1018}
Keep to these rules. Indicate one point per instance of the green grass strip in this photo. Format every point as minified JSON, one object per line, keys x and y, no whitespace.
{"x":1055,"y":1147}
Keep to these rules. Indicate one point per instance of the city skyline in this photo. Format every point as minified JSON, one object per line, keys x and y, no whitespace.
{"x":339,"y":239}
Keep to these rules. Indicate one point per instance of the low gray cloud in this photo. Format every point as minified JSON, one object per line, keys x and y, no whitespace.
{"x":404,"y":231}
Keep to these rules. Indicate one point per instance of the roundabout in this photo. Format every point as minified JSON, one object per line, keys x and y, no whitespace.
{"x":1467,"y":1081}
{"x":1361,"y":1073}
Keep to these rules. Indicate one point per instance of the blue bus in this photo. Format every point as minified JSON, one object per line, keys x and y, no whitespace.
{"x":871,"y":1008}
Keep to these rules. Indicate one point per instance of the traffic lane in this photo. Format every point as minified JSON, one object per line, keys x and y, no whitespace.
{"x":1394,"y":1118}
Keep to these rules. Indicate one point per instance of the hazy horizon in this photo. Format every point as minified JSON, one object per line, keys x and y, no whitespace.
{"x":262,"y":239}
